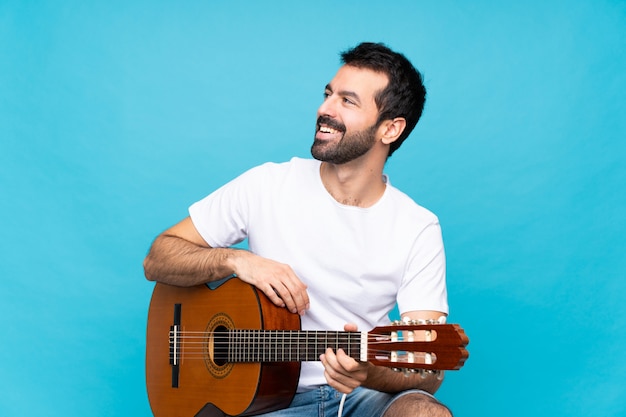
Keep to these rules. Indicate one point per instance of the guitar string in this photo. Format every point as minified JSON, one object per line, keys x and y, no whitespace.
{"x":190,"y":337}
{"x":195,"y":344}
{"x":199,"y":350}
{"x":296,"y":334}
{"x":201,"y":337}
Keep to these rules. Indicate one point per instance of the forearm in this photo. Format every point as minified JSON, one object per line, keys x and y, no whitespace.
{"x":176,"y":261}
{"x":387,"y":380}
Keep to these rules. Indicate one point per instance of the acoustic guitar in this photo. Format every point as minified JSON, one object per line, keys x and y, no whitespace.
{"x":231,"y":351}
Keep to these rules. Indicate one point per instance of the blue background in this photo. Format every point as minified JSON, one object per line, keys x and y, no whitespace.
{"x":115,"y":116}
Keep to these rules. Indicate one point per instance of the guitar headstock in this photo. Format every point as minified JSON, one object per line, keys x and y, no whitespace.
{"x":418,"y":346}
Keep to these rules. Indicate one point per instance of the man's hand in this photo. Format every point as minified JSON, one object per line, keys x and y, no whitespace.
{"x":278,"y":281}
{"x":341,"y":371}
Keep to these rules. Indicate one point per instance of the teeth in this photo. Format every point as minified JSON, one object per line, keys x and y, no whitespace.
{"x":325,"y":129}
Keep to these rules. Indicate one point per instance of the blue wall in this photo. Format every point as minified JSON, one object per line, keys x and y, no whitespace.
{"x":115,"y":116}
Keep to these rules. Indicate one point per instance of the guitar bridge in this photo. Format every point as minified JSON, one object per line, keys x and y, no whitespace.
{"x":175,"y":346}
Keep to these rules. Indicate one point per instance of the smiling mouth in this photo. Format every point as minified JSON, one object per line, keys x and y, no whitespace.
{"x":327,"y":129}
{"x":329,"y":126}
{"x":327,"y":133}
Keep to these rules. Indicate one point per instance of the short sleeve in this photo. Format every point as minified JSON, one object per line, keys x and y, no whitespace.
{"x":423,"y":285}
{"x":222,"y":217}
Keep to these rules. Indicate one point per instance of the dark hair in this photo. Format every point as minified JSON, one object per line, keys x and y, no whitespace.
{"x":405,"y":94}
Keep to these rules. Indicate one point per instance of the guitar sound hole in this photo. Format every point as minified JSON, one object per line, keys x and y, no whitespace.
{"x":220,"y":345}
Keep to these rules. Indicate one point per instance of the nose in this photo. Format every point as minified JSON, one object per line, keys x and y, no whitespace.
{"x":327,"y":108}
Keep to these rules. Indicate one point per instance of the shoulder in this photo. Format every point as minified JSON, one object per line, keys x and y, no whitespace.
{"x":406,"y":206}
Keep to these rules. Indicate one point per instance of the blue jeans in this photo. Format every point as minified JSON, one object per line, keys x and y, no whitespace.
{"x":324,"y":402}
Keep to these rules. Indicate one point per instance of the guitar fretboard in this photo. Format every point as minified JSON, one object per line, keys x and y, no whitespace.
{"x":283,"y":345}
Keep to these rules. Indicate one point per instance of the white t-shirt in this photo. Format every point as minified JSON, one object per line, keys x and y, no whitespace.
{"x":357,"y":262}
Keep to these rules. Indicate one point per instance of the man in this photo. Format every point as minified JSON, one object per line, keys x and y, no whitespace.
{"x":330,"y":238}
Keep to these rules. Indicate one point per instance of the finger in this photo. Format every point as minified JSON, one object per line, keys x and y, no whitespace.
{"x":296,"y":302}
{"x":335,"y":375}
{"x":290,"y":289}
{"x":273,"y":295}
{"x":349,"y":365}
{"x":334,"y":364}
{"x":298,"y":294}
{"x":285,"y":296}
{"x":350,"y":327}
{"x":338,"y":385}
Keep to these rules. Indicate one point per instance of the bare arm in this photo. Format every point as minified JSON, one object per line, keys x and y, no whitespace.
{"x":180,"y":256}
{"x":345,"y":374}
{"x":387,"y":380}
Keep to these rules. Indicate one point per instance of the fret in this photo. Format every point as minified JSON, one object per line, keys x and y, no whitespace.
{"x":302,"y":345}
{"x":276,"y":344}
{"x":275,"y":349}
{"x":241,"y":346}
{"x":254,"y":342}
{"x":284,"y":342}
{"x":238,"y":345}
{"x":271,"y":347}
{"x":331,"y":341}
{"x":245,"y":346}
{"x":249,"y":344}
{"x":289,"y":347}
{"x":232,"y":345}
{"x":267,"y":346}
{"x":349,"y":343}
{"x":264,"y":346}
{"x":297,"y":342}
{"x":311,"y":348}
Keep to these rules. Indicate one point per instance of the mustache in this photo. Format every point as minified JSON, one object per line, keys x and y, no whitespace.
{"x":332,"y":123}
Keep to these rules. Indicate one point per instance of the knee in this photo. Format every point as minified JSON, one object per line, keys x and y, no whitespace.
{"x":417,"y":405}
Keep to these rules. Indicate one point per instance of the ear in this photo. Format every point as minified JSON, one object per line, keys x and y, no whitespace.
{"x":392,"y":129}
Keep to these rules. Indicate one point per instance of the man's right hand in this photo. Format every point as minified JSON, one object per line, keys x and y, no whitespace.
{"x":277,"y":281}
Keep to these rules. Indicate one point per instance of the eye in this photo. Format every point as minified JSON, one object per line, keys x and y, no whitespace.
{"x":348,"y":101}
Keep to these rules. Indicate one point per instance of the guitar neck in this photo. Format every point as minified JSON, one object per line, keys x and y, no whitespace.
{"x":285,"y":345}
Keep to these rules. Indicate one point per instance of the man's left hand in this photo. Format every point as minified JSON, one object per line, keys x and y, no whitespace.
{"x":341,"y":371}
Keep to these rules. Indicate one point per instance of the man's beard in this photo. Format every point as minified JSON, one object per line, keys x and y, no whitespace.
{"x":349,"y":147}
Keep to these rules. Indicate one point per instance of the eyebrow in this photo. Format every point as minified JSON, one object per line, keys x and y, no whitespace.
{"x":345,"y":93}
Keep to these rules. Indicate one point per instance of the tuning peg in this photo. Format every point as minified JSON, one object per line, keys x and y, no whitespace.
{"x":425,"y":372}
{"x":407,"y":372}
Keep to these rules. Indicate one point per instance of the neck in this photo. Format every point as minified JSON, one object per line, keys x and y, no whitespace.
{"x":354,"y":183}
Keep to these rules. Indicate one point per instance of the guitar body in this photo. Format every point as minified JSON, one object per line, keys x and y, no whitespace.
{"x":197,"y":384}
